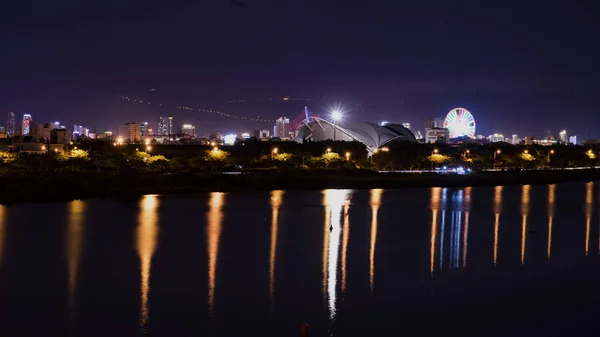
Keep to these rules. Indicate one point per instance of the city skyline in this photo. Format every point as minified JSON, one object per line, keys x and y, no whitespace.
{"x":393,"y":61}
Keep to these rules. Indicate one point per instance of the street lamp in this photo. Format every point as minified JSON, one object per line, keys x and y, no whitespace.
{"x":497,"y":152}
{"x":348,"y":156}
{"x":549,"y":153}
{"x":273,"y":152}
{"x":374,"y":152}
{"x":385,"y":149}
{"x":435,"y":151}
{"x":148,"y":148}
{"x":328,"y":150}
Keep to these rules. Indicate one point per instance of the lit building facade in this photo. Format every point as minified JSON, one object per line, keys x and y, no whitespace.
{"x":406,"y":125}
{"x":562,"y":137}
{"x":437,"y":135}
{"x":189,"y":130}
{"x":26,"y":125}
{"x":144,"y":129}
{"x":573,"y":140}
{"x":60,"y":136}
{"x":262,"y":134}
{"x":41,"y":132}
{"x":10,"y":124}
{"x":165,"y":126}
{"x":496,"y":137}
{"x":130,"y":131}
{"x":282,"y":128}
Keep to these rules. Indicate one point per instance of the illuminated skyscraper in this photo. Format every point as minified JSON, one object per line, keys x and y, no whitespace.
{"x":144,"y":129}
{"x":282,"y":128}
{"x":10,"y":124}
{"x":165,"y":126}
{"x":563,"y":137}
{"x":130,"y":131}
{"x":188,"y":129}
{"x":26,"y":126}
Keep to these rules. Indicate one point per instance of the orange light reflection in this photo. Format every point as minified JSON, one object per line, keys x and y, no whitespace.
{"x":276,"y":200}
{"x":147,"y":232}
{"x":213,"y":234}
{"x":375,"y":203}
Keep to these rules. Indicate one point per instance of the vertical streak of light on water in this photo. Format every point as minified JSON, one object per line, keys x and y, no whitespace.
{"x":147,"y":232}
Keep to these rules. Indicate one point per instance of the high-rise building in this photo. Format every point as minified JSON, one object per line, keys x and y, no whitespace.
{"x":429,"y":123}
{"x":26,"y":125}
{"x":406,"y":125}
{"x":573,"y":140}
{"x":548,"y":134}
{"x":10,"y":124}
{"x":438,"y":122}
{"x":282,"y":128}
{"x":496,"y":137}
{"x":562,"y":137}
{"x":515,"y":140}
{"x":163,"y":126}
{"x":60,"y":136}
{"x":436,"y":135}
{"x":130,"y":131}
{"x":262,"y":134}
{"x":41,"y":132}
{"x":144,"y":129}
{"x":188,"y":129}
{"x":170,"y":125}
{"x":80,"y":131}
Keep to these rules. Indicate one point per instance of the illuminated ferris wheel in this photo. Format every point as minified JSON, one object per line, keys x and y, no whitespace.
{"x":460,"y":123}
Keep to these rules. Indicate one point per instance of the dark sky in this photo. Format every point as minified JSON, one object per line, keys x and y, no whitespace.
{"x":519,"y":66}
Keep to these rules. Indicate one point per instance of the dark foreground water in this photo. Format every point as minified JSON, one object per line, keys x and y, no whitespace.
{"x":512,"y":261}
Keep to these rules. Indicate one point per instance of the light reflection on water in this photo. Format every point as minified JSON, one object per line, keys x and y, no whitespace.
{"x":459,"y":216}
{"x":146,"y":237}
{"x":589,"y":199}
{"x":213,"y":234}
{"x":375,"y":203}
{"x":551,"y":209}
{"x":76,"y":220}
{"x":335,"y":200}
{"x":276,"y":201}
{"x":525,"y":190}
{"x":497,"y":212}
{"x":2,"y":229}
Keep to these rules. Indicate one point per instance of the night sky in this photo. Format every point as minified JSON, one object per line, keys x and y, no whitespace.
{"x":519,"y":67}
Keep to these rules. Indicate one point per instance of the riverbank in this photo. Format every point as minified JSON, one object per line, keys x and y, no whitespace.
{"x":83,"y":185}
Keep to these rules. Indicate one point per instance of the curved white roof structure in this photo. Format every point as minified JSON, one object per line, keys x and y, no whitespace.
{"x":370,"y":134}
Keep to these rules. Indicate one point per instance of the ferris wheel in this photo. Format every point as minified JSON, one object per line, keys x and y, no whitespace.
{"x":460,"y":123}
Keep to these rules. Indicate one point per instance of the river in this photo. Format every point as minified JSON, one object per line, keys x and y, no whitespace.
{"x":505,"y":261}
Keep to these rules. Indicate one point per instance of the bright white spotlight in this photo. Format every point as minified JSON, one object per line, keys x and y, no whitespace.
{"x":336,"y":115}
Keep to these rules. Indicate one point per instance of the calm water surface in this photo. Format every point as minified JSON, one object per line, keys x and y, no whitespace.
{"x":510,"y":261}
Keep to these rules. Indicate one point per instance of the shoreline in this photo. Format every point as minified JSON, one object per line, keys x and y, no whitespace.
{"x":64,"y":187}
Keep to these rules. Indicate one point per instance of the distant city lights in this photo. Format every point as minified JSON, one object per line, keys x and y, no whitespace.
{"x":229,"y":139}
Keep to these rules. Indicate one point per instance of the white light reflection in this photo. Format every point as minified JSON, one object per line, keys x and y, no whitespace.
{"x":345,"y":239}
{"x":147,"y":233}
{"x":444,"y":203}
{"x":467,"y":209}
{"x":334,"y":200}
